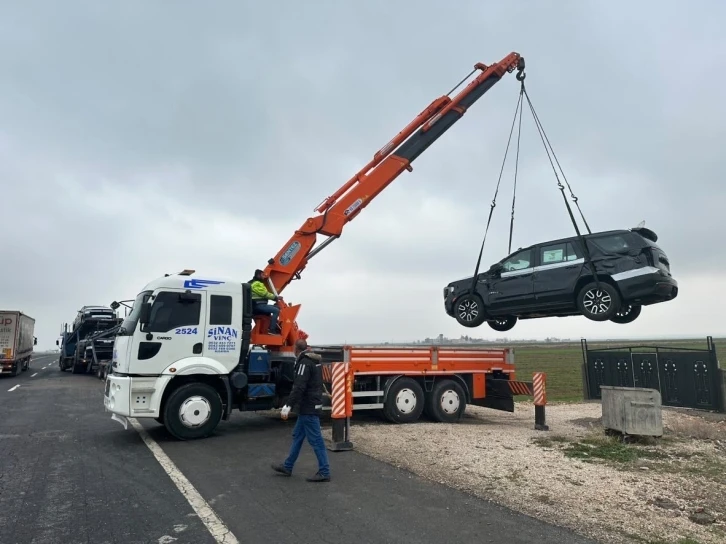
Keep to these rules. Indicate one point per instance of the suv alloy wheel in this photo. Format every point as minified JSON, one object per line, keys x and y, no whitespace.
{"x":598,"y":303}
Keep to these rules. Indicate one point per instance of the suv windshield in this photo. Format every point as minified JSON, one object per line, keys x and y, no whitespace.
{"x":129,"y":325}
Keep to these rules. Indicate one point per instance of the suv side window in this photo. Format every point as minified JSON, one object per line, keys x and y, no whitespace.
{"x":170,"y":312}
{"x":557,"y":253}
{"x":518,"y":261}
{"x":614,"y":243}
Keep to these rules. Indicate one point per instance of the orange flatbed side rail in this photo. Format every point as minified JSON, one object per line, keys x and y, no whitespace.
{"x":427,"y":360}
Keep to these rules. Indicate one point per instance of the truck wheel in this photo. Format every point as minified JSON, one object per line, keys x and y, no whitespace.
{"x":469,"y":310}
{"x":446,"y":402}
{"x":404,"y":402}
{"x":18,"y":368}
{"x":192,"y":411}
{"x":26,"y":364}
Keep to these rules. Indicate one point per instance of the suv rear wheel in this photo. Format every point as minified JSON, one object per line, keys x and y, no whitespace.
{"x":627,"y":314}
{"x":502,"y":324}
{"x":598,"y":303}
{"x":469,"y":310}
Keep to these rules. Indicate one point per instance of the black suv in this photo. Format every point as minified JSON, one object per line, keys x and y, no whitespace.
{"x":554,"y":279}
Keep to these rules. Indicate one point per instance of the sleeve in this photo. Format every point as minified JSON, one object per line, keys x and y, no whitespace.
{"x":302,"y":376}
{"x":259,"y":289}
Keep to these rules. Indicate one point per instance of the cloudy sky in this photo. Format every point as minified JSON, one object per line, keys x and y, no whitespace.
{"x":139,"y":138}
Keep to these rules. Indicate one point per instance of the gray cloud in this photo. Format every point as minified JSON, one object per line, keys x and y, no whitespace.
{"x":192,"y":118}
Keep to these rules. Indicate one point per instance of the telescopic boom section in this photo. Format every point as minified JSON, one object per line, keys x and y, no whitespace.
{"x":387,"y":164}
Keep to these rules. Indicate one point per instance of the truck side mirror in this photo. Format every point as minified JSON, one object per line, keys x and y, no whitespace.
{"x":145,"y":314}
{"x":57,"y":343}
{"x":35,"y":340}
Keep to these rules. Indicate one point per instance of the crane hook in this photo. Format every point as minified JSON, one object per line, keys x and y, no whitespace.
{"x":520,"y":69}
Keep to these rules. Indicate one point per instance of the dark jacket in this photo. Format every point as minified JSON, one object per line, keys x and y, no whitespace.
{"x":307,"y":387}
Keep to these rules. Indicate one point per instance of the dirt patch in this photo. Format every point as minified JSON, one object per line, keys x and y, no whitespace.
{"x":668,"y":490}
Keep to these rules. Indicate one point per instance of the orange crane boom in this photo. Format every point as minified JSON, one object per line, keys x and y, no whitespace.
{"x":347,"y":202}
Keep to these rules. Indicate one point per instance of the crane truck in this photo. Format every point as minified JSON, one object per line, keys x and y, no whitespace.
{"x":16,"y":341}
{"x":191,"y":349}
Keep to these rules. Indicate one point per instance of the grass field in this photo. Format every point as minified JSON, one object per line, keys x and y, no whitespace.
{"x":562,"y":362}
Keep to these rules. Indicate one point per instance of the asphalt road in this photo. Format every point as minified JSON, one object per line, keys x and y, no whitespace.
{"x":69,"y":474}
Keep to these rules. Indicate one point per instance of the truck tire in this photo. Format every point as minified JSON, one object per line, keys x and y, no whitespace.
{"x":447,"y":402}
{"x":26,"y":364}
{"x":404,"y":401}
{"x":192,"y":411}
{"x":18,"y":368}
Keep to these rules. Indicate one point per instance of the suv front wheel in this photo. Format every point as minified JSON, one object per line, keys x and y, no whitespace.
{"x":469,"y":310}
{"x":598,"y":302}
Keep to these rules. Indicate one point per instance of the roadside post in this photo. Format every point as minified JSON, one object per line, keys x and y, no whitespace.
{"x":540,"y":400}
{"x":341,"y":408}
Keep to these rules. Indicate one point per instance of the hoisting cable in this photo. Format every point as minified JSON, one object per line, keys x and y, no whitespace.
{"x":516,"y":169}
{"x":545,"y":142}
{"x":544,"y":137}
{"x":496,"y":191}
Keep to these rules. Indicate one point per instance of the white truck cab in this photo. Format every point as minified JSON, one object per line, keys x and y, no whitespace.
{"x":183,"y":357}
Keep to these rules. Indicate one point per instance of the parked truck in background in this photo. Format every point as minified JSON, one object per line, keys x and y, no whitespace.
{"x":16,"y":341}
{"x":88,"y":340}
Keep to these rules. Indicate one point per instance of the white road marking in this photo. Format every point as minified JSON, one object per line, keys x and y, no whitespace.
{"x":214,"y":524}
{"x":34,"y":375}
{"x":14,"y":388}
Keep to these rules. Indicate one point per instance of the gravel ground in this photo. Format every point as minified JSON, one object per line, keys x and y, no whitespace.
{"x":674,"y":490}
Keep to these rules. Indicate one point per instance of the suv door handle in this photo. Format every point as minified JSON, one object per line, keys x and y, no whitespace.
{"x":197,"y":348}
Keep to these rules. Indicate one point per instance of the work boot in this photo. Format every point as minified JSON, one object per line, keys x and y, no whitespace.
{"x":281,"y":469}
{"x":318,"y":478}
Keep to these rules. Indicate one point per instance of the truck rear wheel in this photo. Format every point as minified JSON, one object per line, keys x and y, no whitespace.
{"x":404,"y":402}
{"x":446,"y":402}
{"x":192,"y":411}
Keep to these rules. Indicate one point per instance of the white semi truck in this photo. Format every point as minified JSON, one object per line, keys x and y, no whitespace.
{"x":16,"y":341}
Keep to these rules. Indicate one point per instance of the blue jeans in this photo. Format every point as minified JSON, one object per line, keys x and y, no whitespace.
{"x":268,"y":309}
{"x":308,"y":426}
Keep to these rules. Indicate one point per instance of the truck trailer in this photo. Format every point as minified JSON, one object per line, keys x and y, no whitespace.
{"x":16,"y":341}
{"x":189,"y":353}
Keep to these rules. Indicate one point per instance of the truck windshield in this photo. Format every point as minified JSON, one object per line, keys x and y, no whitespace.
{"x":129,"y":324}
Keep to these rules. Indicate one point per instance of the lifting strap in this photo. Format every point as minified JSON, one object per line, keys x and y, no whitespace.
{"x":546,"y":143}
{"x":550,"y":155}
{"x":501,"y":171}
{"x":516,"y":169}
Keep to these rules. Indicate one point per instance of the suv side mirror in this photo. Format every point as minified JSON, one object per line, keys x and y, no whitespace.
{"x":496,"y":269}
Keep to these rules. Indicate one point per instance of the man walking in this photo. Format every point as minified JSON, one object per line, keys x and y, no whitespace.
{"x":260,"y":296}
{"x":307,"y":393}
